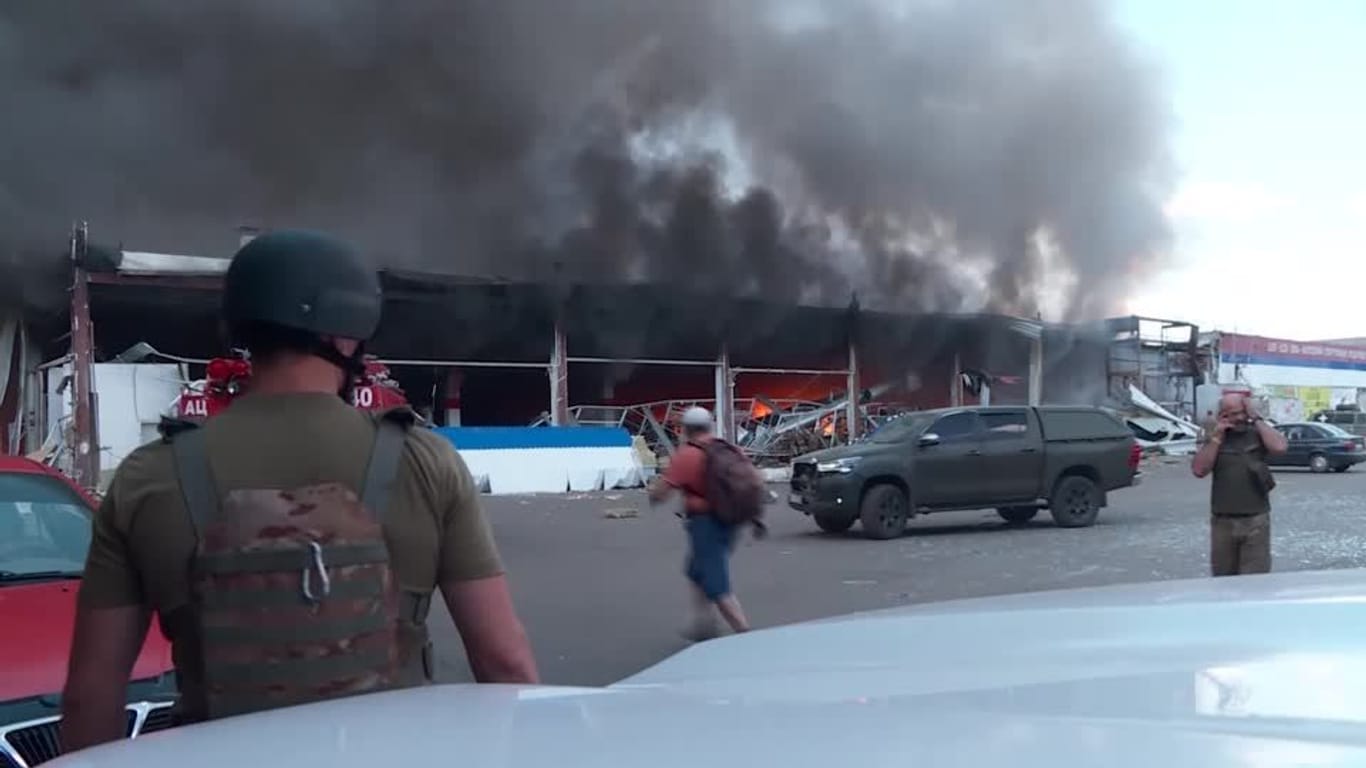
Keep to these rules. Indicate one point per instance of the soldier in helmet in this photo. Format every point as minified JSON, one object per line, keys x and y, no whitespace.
{"x":290,"y":545}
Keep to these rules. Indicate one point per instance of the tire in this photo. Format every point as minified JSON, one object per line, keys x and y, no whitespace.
{"x":1318,"y":463}
{"x":834,"y":522}
{"x":1342,"y":468}
{"x":1017,"y":515}
{"x":883,"y":511}
{"x":1075,"y":502}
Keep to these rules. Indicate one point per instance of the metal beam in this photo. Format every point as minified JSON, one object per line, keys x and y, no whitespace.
{"x":725,"y":396}
{"x":559,"y":379}
{"x":1036,"y":372}
{"x":189,"y":282}
{"x":851,"y":415}
{"x":639,"y":361}
{"x":956,"y":383}
{"x":459,"y":363}
{"x":86,"y":458}
{"x":798,"y":371}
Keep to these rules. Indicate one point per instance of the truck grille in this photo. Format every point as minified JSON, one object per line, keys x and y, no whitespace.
{"x":803,"y":476}
{"x":37,"y":741}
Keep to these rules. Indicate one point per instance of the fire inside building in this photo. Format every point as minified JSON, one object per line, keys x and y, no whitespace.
{"x":98,"y":372}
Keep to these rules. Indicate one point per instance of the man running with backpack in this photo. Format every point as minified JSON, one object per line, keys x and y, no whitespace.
{"x":721,"y":491}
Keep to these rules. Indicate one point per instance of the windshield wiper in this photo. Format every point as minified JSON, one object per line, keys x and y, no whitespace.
{"x":37,"y":575}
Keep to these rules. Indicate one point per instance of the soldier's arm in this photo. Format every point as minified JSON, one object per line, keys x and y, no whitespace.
{"x":111,"y":624}
{"x":476,"y":590}
{"x":495,"y":641}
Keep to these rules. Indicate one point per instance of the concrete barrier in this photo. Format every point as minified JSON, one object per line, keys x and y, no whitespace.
{"x":508,"y":460}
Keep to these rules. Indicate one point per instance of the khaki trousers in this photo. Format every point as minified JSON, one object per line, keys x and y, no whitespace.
{"x":1239,"y":545}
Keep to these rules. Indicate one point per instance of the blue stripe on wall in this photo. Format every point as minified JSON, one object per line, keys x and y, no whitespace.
{"x":506,"y":438}
{"x":1298,"y":362}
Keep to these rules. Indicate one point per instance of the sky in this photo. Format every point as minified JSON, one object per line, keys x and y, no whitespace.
{"x":1270,"y":140}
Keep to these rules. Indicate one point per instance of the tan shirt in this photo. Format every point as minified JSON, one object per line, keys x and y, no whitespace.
{"x":144,"y":541}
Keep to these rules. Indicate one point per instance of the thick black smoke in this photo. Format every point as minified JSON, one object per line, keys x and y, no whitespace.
{"x":925,"y":154}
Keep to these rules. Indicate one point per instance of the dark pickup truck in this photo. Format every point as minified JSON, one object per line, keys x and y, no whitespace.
{"x":1016,"y":459}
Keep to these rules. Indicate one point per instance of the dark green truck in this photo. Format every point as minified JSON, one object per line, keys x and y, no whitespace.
{"x":1015,"y":459}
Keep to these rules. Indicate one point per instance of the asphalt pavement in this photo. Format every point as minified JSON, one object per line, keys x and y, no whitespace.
{"x":602,"y":592}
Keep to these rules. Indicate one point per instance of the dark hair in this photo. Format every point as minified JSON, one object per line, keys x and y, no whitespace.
{"x":266,"y":340}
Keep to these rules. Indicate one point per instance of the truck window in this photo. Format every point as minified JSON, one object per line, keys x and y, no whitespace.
{"x":897,"y":430}
{"x":1005,"y":425}
{"x":1080,"y":424}
{"x":956,"y":427}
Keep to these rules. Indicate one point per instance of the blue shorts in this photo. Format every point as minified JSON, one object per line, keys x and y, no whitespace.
{"x":709,"y":545}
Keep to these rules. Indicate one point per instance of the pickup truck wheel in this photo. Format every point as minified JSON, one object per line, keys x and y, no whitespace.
{"x":1075,"y":502}
{"x":835,"y":522}
{"x":1017,"y":515}
{"x":883,"y":512}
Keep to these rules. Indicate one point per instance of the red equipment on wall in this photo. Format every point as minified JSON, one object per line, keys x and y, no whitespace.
{"x":227,"y":377}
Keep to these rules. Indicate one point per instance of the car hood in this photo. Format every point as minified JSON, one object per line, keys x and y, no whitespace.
{"x":842,"y":451}
{"x":38,"y":620}
{"x":1253,"y":670}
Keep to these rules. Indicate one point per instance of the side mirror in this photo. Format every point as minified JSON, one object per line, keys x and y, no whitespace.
{"x":929,"y":439}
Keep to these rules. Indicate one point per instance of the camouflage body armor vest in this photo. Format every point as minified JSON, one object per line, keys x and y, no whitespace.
{"x":292,"y":596}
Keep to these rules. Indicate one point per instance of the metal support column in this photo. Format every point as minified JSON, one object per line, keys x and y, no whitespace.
{"x":1036,"y":371}
{"x":559,"y":380}
{"x":956,"y":383}
{"x":852,"y":420}
{"x":85,"y":443}
{"x":725,"y":397}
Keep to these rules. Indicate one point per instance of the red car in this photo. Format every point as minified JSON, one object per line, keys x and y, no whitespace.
{"x":45,"y":528}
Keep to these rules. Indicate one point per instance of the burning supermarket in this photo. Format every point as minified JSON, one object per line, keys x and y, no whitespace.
{"x":926,"y":159}
{"x":479,"y":353}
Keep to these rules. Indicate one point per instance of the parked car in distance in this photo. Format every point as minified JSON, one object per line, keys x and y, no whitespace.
{"x":45,"y":529}
{"x":1016,"y":459}
{"x":1321,"y":447}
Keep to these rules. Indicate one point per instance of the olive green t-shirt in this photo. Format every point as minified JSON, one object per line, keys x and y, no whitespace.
{"x":144,"y":540}
{"x":1236,"y":489}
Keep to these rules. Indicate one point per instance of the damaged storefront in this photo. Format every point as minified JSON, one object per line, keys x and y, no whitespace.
{"x":482,"y":353}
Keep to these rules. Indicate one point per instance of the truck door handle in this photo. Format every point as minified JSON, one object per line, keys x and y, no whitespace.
{"x":974,"y":452}
{"x":1029,"y":450}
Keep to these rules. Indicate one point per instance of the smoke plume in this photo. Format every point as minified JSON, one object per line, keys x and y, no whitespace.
{"x":923,"y":154}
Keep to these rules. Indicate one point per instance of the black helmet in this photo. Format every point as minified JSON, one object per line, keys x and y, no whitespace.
{"x":305,"y":281}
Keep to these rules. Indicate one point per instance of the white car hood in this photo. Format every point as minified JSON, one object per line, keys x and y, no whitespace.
{"x":1249,"y":671}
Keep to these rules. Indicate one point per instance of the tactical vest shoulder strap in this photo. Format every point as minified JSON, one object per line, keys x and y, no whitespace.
{"x":196,"y":479}
{"x":381,"y":474}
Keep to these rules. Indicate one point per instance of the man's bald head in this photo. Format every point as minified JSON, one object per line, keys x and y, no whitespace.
{"x":1233,"y":408}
